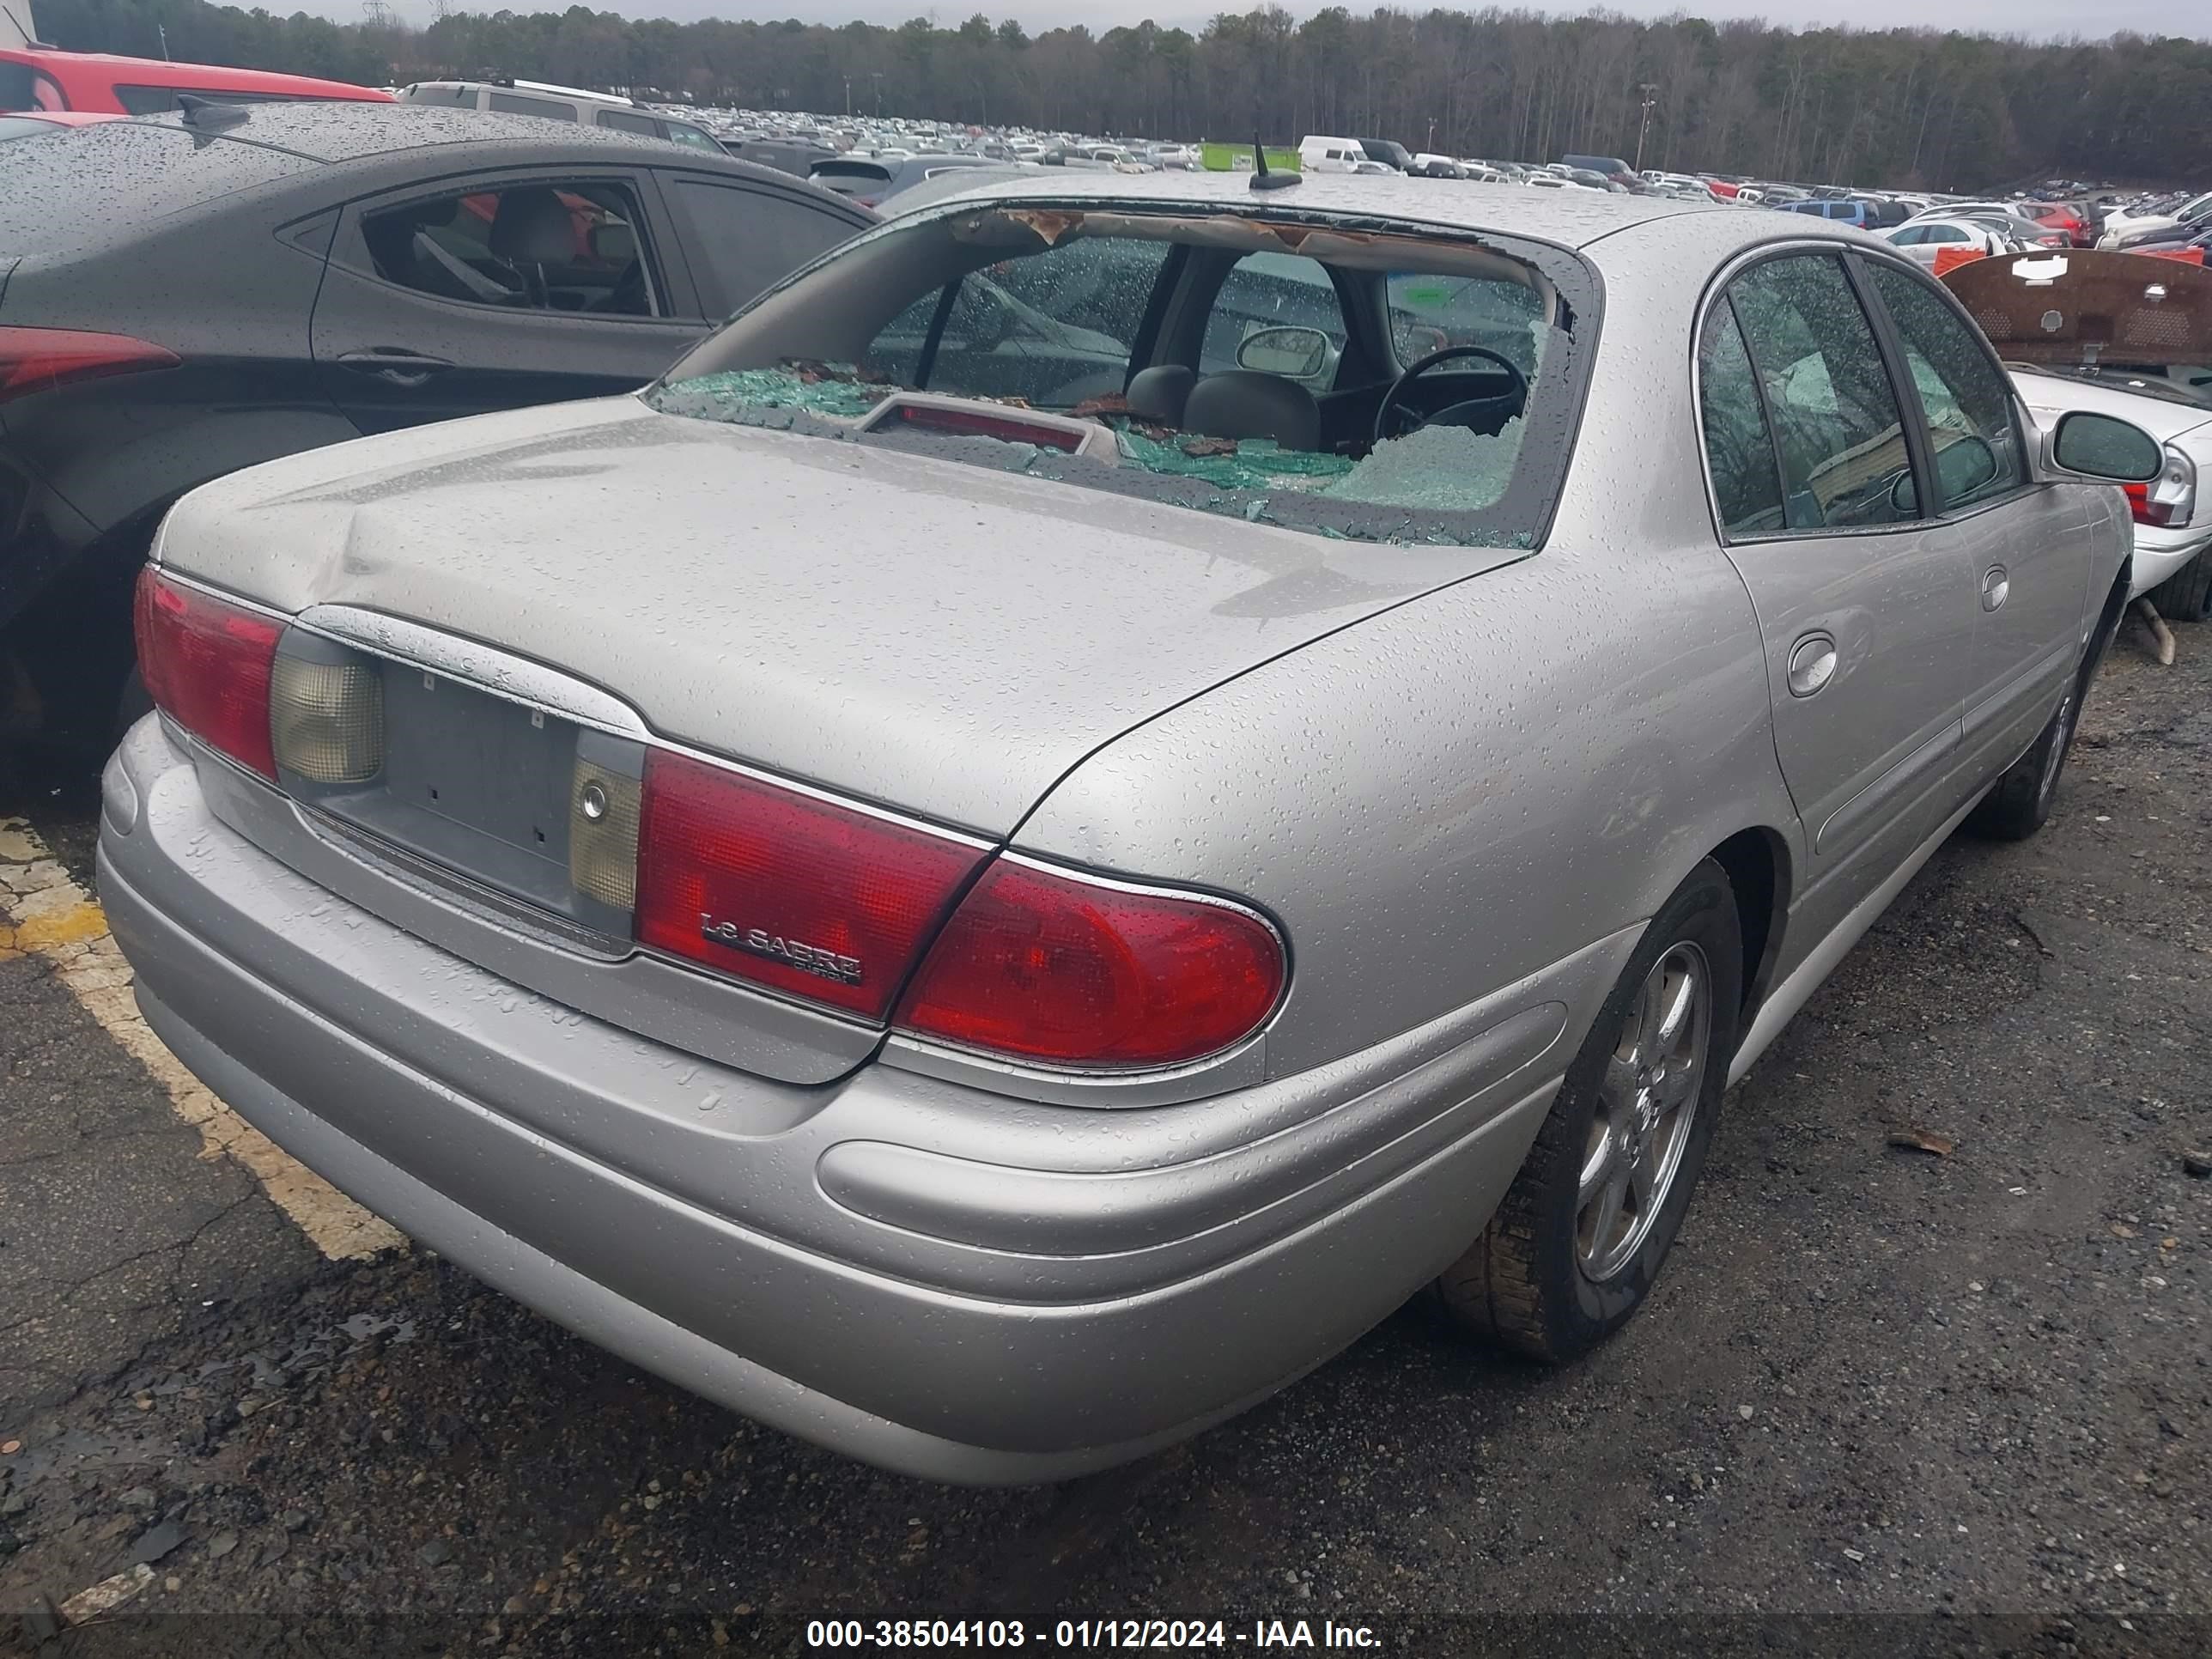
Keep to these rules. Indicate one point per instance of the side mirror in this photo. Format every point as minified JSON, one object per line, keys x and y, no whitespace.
{"x":2104,"y":448}
{"x":1296,"y":354}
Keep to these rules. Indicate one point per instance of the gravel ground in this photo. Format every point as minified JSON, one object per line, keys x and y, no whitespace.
{"x":1884,"y":1400}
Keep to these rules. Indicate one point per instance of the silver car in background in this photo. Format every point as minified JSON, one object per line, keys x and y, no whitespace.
{"x":1069,"y":809}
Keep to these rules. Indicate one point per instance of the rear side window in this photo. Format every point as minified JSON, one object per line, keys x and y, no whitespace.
{"x":751,"y":237}
{"x":852,"y":177}
{"x":515,"y":103}
{"x":574,"y":248}
{"x":1835,"y":415}
{"x":451,"y":97}
{"x":22,"y":87}
{"x":692,"y":137}
{"x":628,"y":120}
{"x":1739,"y":449}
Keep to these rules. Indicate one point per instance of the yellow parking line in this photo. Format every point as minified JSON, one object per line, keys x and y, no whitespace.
{"x":43,"y":912}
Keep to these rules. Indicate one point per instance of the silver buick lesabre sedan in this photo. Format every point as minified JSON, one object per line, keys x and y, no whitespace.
{"x":1111,"y":779}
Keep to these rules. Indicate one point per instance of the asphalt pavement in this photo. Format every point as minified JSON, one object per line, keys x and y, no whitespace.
{"x":1885,"y":1399}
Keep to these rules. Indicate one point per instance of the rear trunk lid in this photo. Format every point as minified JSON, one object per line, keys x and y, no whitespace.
{"x":928,"y":636}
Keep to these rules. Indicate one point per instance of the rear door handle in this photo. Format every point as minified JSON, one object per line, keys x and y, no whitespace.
{"x":1812,"y":663}
{"x":394,"y":365}
{"x":1997,"y":586}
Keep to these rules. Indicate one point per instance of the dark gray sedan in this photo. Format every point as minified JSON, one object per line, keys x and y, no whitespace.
{"x":1023,"y":847}
{"x":181,"y":296}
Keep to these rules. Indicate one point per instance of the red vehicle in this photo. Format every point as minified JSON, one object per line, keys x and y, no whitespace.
{"x":40,"y":78}
{"x":2059,"y":217}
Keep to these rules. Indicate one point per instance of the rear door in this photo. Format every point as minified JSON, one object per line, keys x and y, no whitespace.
{"x":2024,"y":540}
{"x":499,"y":290}
{"x":1866,"y":605}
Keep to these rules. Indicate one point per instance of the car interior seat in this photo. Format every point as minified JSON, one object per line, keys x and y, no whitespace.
{"x":533,"y":229}
{"x":1243,"y":403}
{"x":1160,"y":393}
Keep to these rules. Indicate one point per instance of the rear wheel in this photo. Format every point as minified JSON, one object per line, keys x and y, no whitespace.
{"x":1578,"y":1239}
{"x":2186,"y":595}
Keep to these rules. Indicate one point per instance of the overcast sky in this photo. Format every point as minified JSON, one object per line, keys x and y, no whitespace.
{"x":2041,"y":18}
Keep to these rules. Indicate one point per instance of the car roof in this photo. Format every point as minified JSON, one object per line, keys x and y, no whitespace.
{"x":1576,"y":219}
{"x":337,"y":133}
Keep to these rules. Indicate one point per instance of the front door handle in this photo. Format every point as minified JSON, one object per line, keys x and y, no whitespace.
{"x":1996,"y":585}
{"x":1812,"y":663}
{"x":394,"y":365}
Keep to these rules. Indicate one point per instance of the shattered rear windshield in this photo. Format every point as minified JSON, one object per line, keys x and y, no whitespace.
{"x":1348,"y":378}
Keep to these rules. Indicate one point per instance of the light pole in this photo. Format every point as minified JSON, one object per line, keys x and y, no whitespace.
{"x":1650,"y":89}
{"x":848,"y":98}
{"x":1431,"y":144}
{"x":877,"y":76}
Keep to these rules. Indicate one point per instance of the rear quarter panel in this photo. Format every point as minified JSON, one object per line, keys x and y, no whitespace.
{"x":1460,"y":792}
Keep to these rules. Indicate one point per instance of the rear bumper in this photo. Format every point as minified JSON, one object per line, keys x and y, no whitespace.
{"x":2160,"y":554}
{"x":947,"y":1283}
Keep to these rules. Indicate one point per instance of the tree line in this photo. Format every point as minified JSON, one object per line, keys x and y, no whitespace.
{"x":1901,"y":109}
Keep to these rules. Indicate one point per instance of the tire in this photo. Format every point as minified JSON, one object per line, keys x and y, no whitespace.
{"x":2186,"y":595}
{"x":2022,"y":799}
{"x":1548,"y":1277}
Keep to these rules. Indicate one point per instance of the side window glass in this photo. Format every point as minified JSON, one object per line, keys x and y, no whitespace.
{"x":1054,"y":328}
{"x":751,"y":237}
{"x":692,"y":138}
{"x":1842,"y":442}
{"x":628,"y":120}
{"x":1428,"y":313}
{"x":1970,"y":429}
{"x":532,"y":247}
{"x":515,"y":104}
{"x":1269,"y":290}
{"x":1739,"y":449}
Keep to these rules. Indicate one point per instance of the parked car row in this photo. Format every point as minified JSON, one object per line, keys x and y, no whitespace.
{"x":931,"y":861}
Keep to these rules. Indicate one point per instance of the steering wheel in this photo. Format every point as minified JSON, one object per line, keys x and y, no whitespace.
{"x":1464,"y":408}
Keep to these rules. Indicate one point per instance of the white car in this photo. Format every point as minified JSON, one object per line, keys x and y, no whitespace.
{"x":1921,"y":239}
{"x":2119,"y":223}
{"x":2173,"y":519}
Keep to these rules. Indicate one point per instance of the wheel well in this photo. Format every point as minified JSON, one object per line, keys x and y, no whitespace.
{"x":2108,"y":625}
{"x":1756,"y":860}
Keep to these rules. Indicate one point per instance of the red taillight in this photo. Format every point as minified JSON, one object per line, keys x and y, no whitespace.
{"x":1044,"y":966}
{"x":206,"y":664}
{"x":35,"y":359}
{"x":801,"y":896}
{"x":2144,"y":510}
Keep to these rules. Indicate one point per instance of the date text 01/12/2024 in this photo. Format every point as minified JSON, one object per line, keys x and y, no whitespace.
{"x":1087,"y":1633}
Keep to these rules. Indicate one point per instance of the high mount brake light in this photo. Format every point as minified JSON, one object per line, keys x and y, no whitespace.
{"x":207,"y":664}
{"x":38,"y":359}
